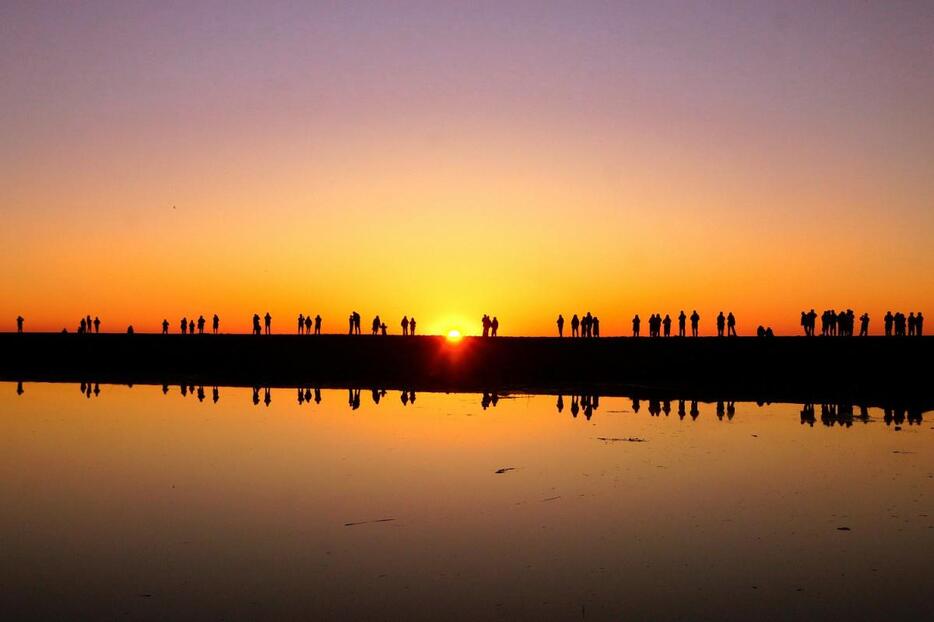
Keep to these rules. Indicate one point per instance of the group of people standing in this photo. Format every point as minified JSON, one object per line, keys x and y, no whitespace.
{"x":833,"y":323}
{"x":187,"y":327}
{"x":408,"y":325}
{"x":305,"y":324}
{"x":490,"y":326}
{"x":86,"y":325}
{"x":895,"y":324}
{"x":586,"y":326}
{"x":659,"y":325}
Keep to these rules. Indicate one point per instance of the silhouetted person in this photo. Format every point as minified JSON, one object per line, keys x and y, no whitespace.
{"x":82,"y":326}
{"x":200,"y":324}
{"x":97,"y":325}
{"x":165,"y":327}
{"x":695,"y":320}
{"x":681,"y":320}
{"x":382,"y":329}
{"x":308,"y":324}
{"x":412,"y":326}
{"x":721,"y":322}
{"x":256,"y":327}
{"x":201,"y":393}
{"x":19,"y":323}
{"x":919,"y":324}
{"x":731,"y":325}
{"x":375,"y":325}
{"x":267,"y":322}
{"x":191,"y":327}
{"x":485,"y":322}
{"x":560,"y":404}
{"x":184,"y":326}
{"x":215,"y":394}
{"x":575,"y":326}
{"x":911,"y":324}
{"x":864,"y":325}
{"x":667,"y":324}
{"x":350,"y":319}
{"x":215,"y":324}
{"x":494,"y":326}
{"x":19,"y":388}
{"x":635,"y":325}
{"x":888,"y":320}
{"x":317,"y":324}
{"x":129,"y":330}
{"x":267,"y":396}
{"x":256,"y":396}
{"x":595,"y":326}
{"x":405,"y":325}
{"x":560,"y":323}
{"x":89,"y":323}
{"x":301,"y":323}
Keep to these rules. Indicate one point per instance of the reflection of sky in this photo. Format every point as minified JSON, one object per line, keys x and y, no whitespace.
{"x":450,"y":161}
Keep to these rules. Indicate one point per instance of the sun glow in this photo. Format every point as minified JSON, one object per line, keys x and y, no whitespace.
{"x":454,"y":335}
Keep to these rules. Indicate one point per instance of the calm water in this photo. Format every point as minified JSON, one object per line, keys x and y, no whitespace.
{"x":132,"y":503}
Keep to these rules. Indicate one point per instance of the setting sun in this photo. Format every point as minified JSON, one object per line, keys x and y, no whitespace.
{"x":454,"y":335}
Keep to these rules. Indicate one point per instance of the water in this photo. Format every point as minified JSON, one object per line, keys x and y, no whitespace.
{"x":143,"y":505}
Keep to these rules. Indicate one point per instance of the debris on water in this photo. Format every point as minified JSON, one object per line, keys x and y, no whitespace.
{"x":618,"y":439}
{"x":843,"y":529}
{"x":551,"y":498}
{"x":755,"y":436}
{"x":899,"y":451}
{"x":503,"y":470}
{"x":366,"y":522}
{"x":145,"y":595}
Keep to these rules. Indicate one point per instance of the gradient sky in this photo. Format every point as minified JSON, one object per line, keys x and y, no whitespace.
{"x":445,"y":160}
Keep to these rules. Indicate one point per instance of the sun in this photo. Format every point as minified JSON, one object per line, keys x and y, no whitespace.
{"x":454,"y":335}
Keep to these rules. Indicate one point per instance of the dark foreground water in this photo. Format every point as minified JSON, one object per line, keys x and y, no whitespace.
{"x":134,"y":504}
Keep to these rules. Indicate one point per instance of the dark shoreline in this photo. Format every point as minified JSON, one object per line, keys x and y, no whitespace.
{"x":870,"y":370}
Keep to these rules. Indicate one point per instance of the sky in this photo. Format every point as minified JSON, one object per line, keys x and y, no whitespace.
{"x":446,"y":160}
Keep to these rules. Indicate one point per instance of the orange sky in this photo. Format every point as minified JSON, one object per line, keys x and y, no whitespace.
{"x":446,"y":163}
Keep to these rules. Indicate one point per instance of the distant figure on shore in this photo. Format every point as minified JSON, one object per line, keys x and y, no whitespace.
{"x":864,"y":325}
{"x":764,"y":332}
{"x":911,"y":324}
{"x":595,"y":326}
{"x":586,"y":325}
{"x":374,"y":325}
{"x":165,"y":327}
{"x":485,"y":322}
{"x":412,"y":327}
{"x":494,"y":326}
{"x":721,"y":322}
{"x":635,"y":325}
{"x":350,"y":323}
{"x":730,"y":325}
{"x":215,"y":324}
{"x":97,"y":325}
{"x":575,"y":326}
{"x":356,"y":323}
{"x":318,"y":326}
{"x":681,"y":321}
{"x":804,"y":323}
{"x":256,"y":328}
{"x":405,"y":325}
{"x":184,"y":326}
{"x":19,"y":323}
{"x":191,"y":327}
{"x":200,"y":325}
{"x":695,"y":321}
{"x":560,"y":324}
{"x":888,"y":320}
{"x":267,"y":320}
{"x":382,"y":329}
{"x":308,"y":324}
{"x":129,"y":329}
{"x":301,"y":323}
{"x":667,"y":324}
{"x":89,"y":322}
{"x":900,"y":324}
{"x":82,"y":327}
{"x":919,"y":325}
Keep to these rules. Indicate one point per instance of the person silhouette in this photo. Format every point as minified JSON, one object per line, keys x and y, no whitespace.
{"x":191,"y":327}
{"x":405,"y":325}
{"x":301,"y":323}
{"x":97,"y":325}
{"x":695,"y":320}
{"x":356,"y":323}
{"x":382,"y":329}
{"x":887,"y":321}
{"x":635,"y":325}
{"x":215,"y":394}
{"x":200,"y":324}
{"x":19,"y":323}
{"x":267,"y":320}
{"x":560,"y":323}
{"x":919,"y":325}
{"x":587,"y":325}
{"x":681,"y":319}
{"x":317,"y":324}
{"x":215,"y":323}
{"x":804,"y":323}
{"x":721,"y":321}
{"x":911,"y":324}
{"x":485,"y":322}
{"x":494,"y":326}
{"x":184,"y":326}
{"x":256,"y":328}
{"x":667,"y":324}
{"x":350,"y":323}
{"x":412,"y":326}
{"x":165,"y":327}
{"x":89,"y":323}
{"x":575,"y":326}
{"x":731,"y":325}
{"x":595,"y":326}
{"x":308,"y":324}
{"x":375,"y":325}
{"x":864,"y":325}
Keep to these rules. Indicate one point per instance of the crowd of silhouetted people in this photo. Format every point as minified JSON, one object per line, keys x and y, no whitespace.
{"x":307,"y":325}
{"x":587,"y":325}
{"x":898,"y":325}
{"x":490,"y":325}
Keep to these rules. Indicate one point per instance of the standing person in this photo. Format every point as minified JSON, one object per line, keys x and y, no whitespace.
{"x":317,"y":324}
{"x":731,"y":325}
{"x":667,"y":324}
{"x":864,"y":325}
{"x":256,"y":328}
{"x":375,"y":325}
{"x":200,"y":324}
{"x":919,"y":324}
{"x":405,"y":325}
{"x":911,"y":324}
{"x":804,"y":323}
{"x":19,"y":323}
{"x":721,"y":322}
{"x":350,"y":323}
{"x":184,"y":326}
{"x":308,"y":324}
{"x":215,"y":323}
{"x":494,"y":326}
{"x":412,"y":327}
{"x":695,"y":320}
{"x":191,"y":326}
{"x":382,"y":328}
{"x":681,"y":319}
{"x":267,"y":320}
{"x":635,"y":325}
{"x":165,"y":327}
{"x":575,"y":326}
{"x":89,"y":323}
{"x":595,"y":326}
{"x":485,"y":321}
{"x":887,"y":320}
{"x":97,"y":324}
{"x":560,"y":325}
{"x":301,"y":323}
